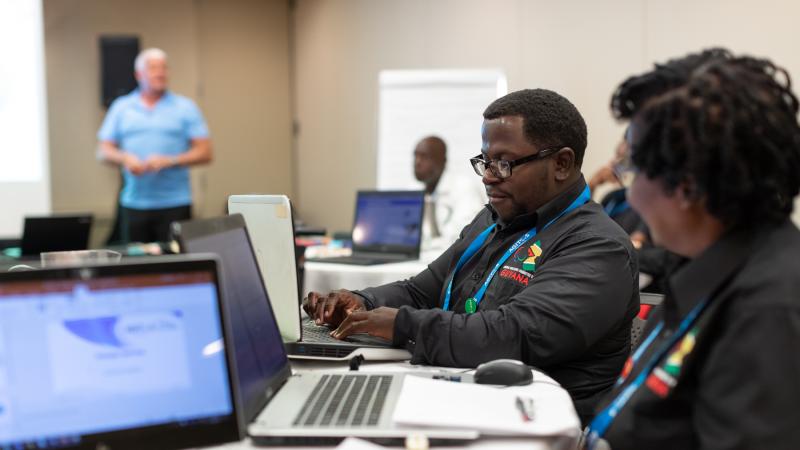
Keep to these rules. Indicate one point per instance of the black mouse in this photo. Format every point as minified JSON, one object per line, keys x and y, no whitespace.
{"x":505,"y":372}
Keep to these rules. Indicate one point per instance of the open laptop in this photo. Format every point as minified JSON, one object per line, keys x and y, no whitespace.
{"x":325,"y":407}
{"x":127,"y":356}
{"x":387,"y":228}
{"x":303,"y":409}
{"x":55,"y":233}
{"x":246,"y":292}
{"x":271,"y":230}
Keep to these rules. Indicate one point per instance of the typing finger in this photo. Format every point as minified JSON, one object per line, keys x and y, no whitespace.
{"x":319,"y":309}
{"x":330,"y":308}
{"x":357,"y":322}
{"x":310,"y":303}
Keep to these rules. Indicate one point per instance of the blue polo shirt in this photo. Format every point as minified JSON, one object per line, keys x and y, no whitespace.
{"x":166,"y":129}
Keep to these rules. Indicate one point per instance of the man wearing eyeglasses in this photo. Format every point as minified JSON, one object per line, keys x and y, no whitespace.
{"x":542,"y":275}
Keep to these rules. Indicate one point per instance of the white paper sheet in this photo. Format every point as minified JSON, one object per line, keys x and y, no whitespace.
{"x":491,"y":411}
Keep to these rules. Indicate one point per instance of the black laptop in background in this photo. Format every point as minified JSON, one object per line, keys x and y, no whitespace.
{"x":55,"y":234}
{"x":387,"y":228}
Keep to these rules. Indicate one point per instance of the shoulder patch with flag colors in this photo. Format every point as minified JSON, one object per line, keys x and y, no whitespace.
{"x":534,"y":251}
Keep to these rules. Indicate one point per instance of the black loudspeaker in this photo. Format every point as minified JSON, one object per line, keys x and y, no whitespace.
{"x":117,"y":54}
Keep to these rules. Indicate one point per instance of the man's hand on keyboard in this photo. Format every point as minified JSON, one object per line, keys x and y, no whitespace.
{"x":333,"y":308}
{"x":378,"y":322}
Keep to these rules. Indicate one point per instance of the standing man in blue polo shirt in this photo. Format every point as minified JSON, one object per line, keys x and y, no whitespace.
{"x":154,"y":135}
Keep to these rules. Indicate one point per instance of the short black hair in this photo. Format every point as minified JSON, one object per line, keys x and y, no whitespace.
{"x":437,"y":141}
{"x":728,"y":130}
{"x":549,"y":119}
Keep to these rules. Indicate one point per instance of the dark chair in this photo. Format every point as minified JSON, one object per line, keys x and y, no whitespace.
{"x":638,"y":322}
{"x":115,"y":237}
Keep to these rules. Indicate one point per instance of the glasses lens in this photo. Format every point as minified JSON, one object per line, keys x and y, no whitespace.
{"x":479,"y":165}
{"x":625,"y":172}
{"x":501,"y":168}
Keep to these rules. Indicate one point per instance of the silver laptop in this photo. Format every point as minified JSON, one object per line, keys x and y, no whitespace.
{"x":387,"y":228}
{"x":318,"y":408}
{"x":323,"y":408}
{"x":228,"y":237}
{"x":269,"y":224}
{"x":127,"y":356}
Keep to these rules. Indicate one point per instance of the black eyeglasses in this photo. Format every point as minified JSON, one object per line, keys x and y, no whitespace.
{"x":501,"y":168}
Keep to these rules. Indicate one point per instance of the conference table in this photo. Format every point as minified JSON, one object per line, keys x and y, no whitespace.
{"x":550,"y":400}
{"x":325,"y":277}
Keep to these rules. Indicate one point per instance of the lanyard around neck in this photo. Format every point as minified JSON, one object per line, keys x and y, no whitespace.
{"x":475,"y":245}
{"x":603,"y":420}
{"x":615,"y":207}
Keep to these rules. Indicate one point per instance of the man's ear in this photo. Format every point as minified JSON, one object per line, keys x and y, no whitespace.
{"x":564,"y":161}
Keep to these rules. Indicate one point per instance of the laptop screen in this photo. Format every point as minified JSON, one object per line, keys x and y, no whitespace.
{"x":388,"y":220}
{"x":84,"y":355}
{"x":260,"y":355}
{"x":55,"y":233}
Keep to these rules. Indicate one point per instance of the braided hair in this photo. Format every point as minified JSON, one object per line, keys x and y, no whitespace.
{"x":723,"y":127}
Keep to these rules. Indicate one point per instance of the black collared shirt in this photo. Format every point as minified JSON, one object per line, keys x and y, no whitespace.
{"x":733,"y":381}
{"x":569,"y":316}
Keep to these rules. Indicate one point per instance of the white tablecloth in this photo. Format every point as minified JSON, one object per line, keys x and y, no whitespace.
{"x":326,"y":277}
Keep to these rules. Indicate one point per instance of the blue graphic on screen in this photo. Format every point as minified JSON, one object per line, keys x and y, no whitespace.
{"x":388,"y":219}
{"x":98,"y":330}
{"x":257,"y":342}
{"x":85,"y":361}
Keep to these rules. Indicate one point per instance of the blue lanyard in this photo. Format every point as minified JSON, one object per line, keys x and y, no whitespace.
{"x":602,"y":422}
{"x":613,"y":208}
{"x":640,"y":351}
{"x":476,"y":244}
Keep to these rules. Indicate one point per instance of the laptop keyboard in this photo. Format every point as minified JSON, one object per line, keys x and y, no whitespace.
{"x":321,"y":333}
{"x":316,"y":333}
{"x":345,"y":401}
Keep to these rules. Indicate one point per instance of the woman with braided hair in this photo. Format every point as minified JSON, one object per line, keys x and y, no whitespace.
{"x":713,"y":168}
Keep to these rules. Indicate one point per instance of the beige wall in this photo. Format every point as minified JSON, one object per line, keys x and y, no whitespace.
{"x":580,"y":48}
{"x":234,"y":57}
{"x":243,"y":60}
{"x":231,"y":56}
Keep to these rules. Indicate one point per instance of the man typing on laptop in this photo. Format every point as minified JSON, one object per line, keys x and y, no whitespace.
{"x":541,"y":275}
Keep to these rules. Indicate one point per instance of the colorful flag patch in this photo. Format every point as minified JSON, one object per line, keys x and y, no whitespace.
{"x":534,"y":251}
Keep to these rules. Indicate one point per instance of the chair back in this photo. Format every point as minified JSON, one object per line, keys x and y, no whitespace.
{"x":647,"y":301}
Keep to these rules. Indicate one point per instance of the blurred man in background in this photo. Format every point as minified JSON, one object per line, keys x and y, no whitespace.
{"x":449,"y":203}
{"x":154,"y":136}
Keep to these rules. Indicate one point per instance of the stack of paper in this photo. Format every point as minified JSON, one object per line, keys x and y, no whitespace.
{"x":424,"y":402}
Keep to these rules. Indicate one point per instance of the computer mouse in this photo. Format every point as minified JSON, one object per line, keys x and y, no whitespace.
{"x":505,"y":372}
